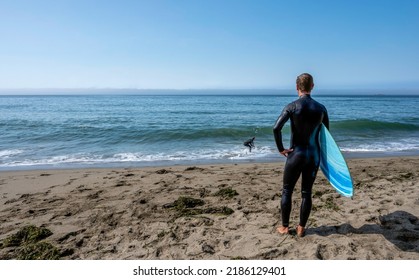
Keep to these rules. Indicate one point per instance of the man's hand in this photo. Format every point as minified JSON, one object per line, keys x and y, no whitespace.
{"x":286,"y":152}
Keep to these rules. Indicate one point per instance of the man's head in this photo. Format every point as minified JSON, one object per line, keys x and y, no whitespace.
{"x":305,"y":83}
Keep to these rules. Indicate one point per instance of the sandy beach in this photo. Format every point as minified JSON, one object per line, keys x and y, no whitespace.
{"x":227,"y":211}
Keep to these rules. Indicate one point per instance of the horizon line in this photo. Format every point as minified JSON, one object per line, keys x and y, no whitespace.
{"x":202,"y":89}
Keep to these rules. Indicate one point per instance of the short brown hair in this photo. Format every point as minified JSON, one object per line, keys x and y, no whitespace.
{"x":305,"y":82}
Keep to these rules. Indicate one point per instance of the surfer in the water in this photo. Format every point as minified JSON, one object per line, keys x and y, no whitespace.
{"x":249,"y":143}
{"x":303,"y":156}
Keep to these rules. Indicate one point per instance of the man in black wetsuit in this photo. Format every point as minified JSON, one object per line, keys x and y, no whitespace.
{"x":249,"y":143}
{"x":303,"y":156}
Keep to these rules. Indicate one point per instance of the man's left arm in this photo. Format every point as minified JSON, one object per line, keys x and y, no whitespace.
{"x":326,"y":119}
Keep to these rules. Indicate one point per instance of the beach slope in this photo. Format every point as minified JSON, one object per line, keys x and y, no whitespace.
{"x":225,"y":211}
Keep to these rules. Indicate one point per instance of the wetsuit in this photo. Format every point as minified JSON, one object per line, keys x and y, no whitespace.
{"x":306,"y":116}
{"x":249,"y":143}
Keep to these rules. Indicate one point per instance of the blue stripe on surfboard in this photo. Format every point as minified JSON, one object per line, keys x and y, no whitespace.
{"x":333,"y":164}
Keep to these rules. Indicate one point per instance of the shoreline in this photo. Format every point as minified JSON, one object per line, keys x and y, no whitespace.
{"x":157,"y":164}
{"x":134,"y":213}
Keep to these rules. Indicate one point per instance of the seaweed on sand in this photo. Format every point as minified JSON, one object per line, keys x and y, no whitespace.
{"x":27,"y":245}
{"x":186,"y":206}
{"x":227,"y":192}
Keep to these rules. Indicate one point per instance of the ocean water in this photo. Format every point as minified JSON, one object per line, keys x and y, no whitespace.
{"x":121,"y":130}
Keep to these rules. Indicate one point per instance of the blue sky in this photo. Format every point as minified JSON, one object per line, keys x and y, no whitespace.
{"x":208,"y":44}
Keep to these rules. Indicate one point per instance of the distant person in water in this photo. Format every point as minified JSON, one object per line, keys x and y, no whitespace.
{"x":303,"y":156}
{"x":249,"y":143}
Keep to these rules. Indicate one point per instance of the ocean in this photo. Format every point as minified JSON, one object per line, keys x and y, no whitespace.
{"x":187,"y":127}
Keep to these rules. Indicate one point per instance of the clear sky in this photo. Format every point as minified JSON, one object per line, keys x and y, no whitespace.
{"x":184,"y":44}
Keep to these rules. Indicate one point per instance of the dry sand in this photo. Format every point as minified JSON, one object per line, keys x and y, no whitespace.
{"x":132,"y":214}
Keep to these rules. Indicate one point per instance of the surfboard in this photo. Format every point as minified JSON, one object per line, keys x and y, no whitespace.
{"x":333,"y":164}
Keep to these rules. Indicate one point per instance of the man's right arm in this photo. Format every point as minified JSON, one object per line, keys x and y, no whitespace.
{"x":280,"y":122}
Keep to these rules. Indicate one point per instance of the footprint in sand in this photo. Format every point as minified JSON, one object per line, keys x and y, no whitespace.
{"x":399,"y":202}
{"x":385,"y":201}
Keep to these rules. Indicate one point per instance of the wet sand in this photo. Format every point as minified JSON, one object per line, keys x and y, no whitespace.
{"x":227,"y":211}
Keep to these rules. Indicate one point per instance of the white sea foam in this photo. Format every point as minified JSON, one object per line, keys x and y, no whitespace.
{"x":9,"y":153}
{"x":237,"y":153}
{"x":17,"y":158}
{"x":401,"y":146}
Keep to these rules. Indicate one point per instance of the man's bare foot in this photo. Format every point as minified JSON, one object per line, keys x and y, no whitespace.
{"x":300,"y":231}
{"x":283,"y":230}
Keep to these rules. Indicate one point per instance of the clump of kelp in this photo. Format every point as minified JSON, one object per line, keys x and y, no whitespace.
{"x":188,"y":206}
{"x":226,"y":192}
{"x":27,"y":244}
